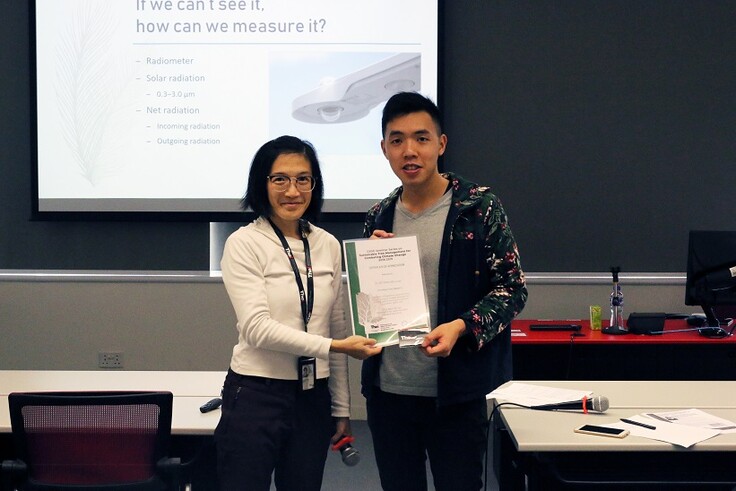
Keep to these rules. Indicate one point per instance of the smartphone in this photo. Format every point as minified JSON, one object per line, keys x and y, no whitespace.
{"x":602,"y":431}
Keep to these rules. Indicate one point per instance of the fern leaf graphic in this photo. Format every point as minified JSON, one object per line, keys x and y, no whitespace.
{"x":83,"y":87}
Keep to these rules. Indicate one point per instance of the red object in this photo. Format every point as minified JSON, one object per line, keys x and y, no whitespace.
{"x":342,"y":442}
{"x":598,"y":337}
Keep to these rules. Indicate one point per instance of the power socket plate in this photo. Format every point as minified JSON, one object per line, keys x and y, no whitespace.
{"x":110,"y":359}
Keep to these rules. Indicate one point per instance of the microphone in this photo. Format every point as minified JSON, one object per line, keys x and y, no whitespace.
{"x":350,"y":456}
{"x":598,"y":404}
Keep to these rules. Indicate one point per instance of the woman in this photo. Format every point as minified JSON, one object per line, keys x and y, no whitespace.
{"x":288,"y":373}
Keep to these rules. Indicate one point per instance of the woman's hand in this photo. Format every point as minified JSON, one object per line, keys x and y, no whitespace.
{"x":355,"y":346}
{"x":342,"y":428}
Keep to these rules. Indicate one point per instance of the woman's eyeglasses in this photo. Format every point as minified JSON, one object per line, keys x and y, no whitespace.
{"x":281,"y":182}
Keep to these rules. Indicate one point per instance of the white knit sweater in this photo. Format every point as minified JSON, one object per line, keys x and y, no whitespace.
{"x":260,"y":282}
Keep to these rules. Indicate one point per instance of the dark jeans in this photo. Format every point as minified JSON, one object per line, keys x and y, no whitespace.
{"x":268,"y":425}
{"x":406,"y":429}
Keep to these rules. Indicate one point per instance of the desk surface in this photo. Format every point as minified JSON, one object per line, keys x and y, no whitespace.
{"x":552,"y":431}
{"x":524,"y":335}
{"x":178,"y":383}
{"x":190,"y":389}
{"x":665,"y":394}
{"x":558,"y":435}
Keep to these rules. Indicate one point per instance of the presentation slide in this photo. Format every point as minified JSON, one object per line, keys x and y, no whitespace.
{"x":160,"y":105}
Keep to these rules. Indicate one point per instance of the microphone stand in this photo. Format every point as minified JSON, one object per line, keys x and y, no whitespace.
{"x":616,"y":325}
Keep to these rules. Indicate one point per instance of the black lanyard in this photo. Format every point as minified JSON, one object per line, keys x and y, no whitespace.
{"x":307,"y":300}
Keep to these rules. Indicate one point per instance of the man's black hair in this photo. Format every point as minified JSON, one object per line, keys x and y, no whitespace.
{"x":404,"y":103}
{"x":256,"y":196}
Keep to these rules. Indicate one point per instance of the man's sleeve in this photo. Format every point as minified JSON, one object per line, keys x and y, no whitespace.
{"x":508,"y":293}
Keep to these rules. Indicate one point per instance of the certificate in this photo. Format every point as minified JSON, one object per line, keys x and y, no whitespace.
{"x":386,"y":292}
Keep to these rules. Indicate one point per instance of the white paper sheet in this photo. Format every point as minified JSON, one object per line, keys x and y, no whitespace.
{"x":534,"y":395}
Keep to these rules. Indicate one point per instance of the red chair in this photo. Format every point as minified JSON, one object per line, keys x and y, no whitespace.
{"x":92,"y":440}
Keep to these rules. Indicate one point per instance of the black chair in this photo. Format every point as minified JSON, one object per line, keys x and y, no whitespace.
{"x":91,"y":440}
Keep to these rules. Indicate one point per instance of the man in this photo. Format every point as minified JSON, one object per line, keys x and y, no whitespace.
{"x":431,"y":400}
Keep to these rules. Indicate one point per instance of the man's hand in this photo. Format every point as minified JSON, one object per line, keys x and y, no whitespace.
{"x":356,"y":346}
{"x":440,"y":340}
{"x":381,"y":234}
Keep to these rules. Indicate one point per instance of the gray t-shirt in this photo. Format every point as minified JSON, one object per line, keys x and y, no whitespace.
{"x":408,"y":371}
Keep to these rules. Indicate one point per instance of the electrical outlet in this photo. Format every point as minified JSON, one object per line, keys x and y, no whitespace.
{"x":110,"y":359}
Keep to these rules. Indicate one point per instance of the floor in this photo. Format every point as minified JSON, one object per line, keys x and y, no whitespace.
{"x":364,"y":475}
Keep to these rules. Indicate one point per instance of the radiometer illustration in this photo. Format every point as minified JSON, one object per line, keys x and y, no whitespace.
{"x":352,"y":96}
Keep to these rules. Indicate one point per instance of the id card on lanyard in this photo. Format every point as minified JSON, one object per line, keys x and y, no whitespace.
{"x":306,"y":365}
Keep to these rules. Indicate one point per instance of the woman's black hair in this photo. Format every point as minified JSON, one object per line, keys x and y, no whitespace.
{"x":256,"y":196}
